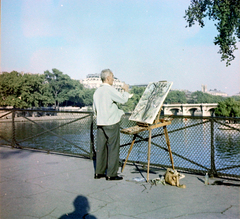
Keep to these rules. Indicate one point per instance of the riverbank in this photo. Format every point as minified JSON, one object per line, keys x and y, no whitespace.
{"x":229,"y":127}
{"x":59,"y":116}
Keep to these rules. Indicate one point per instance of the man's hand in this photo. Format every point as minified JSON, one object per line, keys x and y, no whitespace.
{"x":125,"y":87}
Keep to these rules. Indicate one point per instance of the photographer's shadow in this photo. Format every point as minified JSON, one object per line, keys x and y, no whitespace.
{"x":82,"y":208}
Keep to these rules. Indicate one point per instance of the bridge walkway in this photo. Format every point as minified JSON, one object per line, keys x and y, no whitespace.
{"x":35,"y":184}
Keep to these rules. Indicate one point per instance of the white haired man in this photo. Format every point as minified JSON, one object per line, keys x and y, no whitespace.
{"x":105,"y":107}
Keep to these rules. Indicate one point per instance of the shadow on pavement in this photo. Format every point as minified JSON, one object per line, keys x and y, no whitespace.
{"x":82,"y":208}
{"x":19,"y":153}
{"x":220,"y":183}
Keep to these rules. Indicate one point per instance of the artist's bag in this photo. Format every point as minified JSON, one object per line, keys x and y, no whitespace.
{"x":172,"y":177}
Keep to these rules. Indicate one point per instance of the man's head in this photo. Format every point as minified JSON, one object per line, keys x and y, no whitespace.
{"x":107,"y":76}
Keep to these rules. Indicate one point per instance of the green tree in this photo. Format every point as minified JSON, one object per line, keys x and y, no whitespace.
{"x":88,"y":96}
{"x":10,"y":90}
{"x":137,"y":94}
{"x":60,"y":85}
{"x":237,"y":98}
{"x":75,"y":95}
{"x":130,"y":105}
{"x":175,"y":97}
{"x":228,"y":108}
{"x":200,"y":97}
{"x":47,"y":98}
{"x":34,"y":92}
{"x":226,"y":13}
{"x":23,"y":91}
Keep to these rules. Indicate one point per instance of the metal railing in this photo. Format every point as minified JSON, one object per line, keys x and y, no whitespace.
{"x":68,"y":132}
{"x":198,"y":144}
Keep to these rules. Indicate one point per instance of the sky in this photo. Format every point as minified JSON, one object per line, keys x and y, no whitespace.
{"x":141,"y":41}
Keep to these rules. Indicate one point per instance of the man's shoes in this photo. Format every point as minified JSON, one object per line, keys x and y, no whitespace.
{"x":99,"y":176}
{"x":114,"y":178}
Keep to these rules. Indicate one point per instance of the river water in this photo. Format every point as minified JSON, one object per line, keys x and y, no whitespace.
{"x":192,"y":143}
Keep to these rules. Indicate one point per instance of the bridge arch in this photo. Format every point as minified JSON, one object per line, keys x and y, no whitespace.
{"x":203,"y":109}
{"x":211,"y":111}
{"x":192,"y":111}
{"x":175,"y":111}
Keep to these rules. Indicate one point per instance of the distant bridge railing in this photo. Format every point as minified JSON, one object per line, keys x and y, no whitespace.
{"x":199,"y":144}
{"x":197,"y":109}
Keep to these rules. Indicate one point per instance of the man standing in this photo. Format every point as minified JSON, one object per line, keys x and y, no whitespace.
{"x":105,"y":101}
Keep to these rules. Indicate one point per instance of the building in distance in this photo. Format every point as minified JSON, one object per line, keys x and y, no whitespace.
{"x":93,"y":81}
{"x":214,"y":92}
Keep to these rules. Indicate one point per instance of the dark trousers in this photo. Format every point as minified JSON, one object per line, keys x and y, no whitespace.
{"x":108,"y":146}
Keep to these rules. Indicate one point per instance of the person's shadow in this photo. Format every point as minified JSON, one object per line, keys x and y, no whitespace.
{"x":82,"y":208}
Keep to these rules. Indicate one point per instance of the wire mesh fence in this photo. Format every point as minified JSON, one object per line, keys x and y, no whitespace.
{"x":64,"y":132}
{"x":198,"y":144}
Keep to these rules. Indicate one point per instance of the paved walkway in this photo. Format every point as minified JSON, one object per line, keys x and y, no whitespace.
{"x":40,"y":185}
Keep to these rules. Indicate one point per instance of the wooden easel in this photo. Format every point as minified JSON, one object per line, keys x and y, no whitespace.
{"x":144,"y":127}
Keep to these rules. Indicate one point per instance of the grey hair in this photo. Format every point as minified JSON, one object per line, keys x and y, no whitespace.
{"x":105,"y":73}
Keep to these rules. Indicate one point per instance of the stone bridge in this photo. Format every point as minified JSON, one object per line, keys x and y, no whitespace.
{"x":202,"y":109}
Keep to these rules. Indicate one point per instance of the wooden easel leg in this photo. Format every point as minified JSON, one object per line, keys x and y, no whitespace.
{"x":168,"y":144}
{"x":129,"y":151}
{"x":149,"y":152}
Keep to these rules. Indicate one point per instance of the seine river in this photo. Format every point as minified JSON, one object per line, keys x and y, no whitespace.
{"x":193,"y":143}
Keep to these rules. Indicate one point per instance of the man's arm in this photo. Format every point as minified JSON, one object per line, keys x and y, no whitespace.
{"x":94,"y":108}
{"x":119,"y":97}
{"x":125,"y":87}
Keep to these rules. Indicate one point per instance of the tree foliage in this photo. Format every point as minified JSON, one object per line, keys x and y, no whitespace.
{"x":23,"y":91}
{"x":132,"y":102}
{"x":60,"y":85}
{"x":200,"y":97}
{"x":75,"y":95}
{"x":66,"y":91}
{"x":175,"y":97}
{"x":49,"y":89}
{"x":226,"y":13}
{"x":88,"y":97}
{"x":34,"y":92}
{"x":58,"y":89}
{"x":228,"y":108}
{"x":237,"y":98}
{"x":10,"y":89}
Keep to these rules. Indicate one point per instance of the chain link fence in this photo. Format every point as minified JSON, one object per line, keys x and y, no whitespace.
{"x":198,"y":144}
{"x":61,"y":131}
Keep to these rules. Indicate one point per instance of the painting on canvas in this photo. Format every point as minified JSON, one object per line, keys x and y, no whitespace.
{"x":151,"y":102}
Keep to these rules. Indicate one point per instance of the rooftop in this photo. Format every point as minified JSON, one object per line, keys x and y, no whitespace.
{"x":35,"y":184}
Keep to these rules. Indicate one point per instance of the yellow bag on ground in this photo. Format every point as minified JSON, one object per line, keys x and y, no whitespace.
{"x":172,"y":177}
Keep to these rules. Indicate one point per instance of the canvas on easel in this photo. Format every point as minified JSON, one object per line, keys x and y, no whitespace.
{"x":147,"y":113}
{"x":151,"y":102}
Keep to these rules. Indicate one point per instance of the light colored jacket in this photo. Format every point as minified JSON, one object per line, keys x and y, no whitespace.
{"x":104,"y":104}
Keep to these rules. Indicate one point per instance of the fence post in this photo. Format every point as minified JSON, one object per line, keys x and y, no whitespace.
{"x":13,"y":144}
{"x":213,"y":171}
{"x":92,"y":150}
